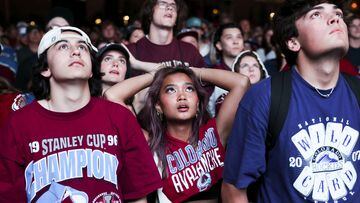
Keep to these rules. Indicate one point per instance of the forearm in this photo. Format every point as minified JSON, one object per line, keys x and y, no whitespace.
{"x":128,"y":88}
{"x":145,"y":66}
{"x":229,"y":194}
{"x":221,"y":78}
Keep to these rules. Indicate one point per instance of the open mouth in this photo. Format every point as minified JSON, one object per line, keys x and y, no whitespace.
{"x":183,"y":108}
{"x":114,"y":72}
{"x":168,"y":15}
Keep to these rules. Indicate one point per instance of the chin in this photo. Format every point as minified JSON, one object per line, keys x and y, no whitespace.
{"x":341,"y":50}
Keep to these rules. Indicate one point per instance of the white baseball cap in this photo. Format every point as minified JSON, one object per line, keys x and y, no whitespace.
{"x":56,"y":34}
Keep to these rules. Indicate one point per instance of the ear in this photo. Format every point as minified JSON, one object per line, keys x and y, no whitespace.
{"x":218,"y":45}
{"x":158,"y":108}
{"x":293,"y":44}
{"x":46,"y":73}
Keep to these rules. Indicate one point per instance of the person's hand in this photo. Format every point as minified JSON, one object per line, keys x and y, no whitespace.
{"x":133,"y":61}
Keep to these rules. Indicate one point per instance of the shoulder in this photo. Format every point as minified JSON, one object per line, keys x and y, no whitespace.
{"x":110,"y":106}
{"x":258,"y":94}
{"x":187,"y":46}
{"x":23,"y":116}
{"x":140,"y":43}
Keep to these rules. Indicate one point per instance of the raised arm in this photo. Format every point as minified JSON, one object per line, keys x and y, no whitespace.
{"x":141,"y":65}
{"x":122,"y":91}
{"x":236,"y":84}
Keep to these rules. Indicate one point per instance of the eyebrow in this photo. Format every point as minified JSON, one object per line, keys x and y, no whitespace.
{"x":318,"y":8}
{"x":171,"y":85}
{"x":107,"y":54}
{"x":67,"y":41}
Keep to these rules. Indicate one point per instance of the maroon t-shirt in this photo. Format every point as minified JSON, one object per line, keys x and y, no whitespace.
{"x":96,"y":154}
{"x":193,"y":169}
{"x":177,"y":52}
{"x":222,"y":66}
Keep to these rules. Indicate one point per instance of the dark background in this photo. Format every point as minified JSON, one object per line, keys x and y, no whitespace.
{"x":86,"y":11}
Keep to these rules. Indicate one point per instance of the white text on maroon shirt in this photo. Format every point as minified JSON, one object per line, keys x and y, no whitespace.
{"x":187,"y":166}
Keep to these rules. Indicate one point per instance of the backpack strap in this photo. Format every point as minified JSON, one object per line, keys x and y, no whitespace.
{"x":354,"y":84}
{"x":280,"y":100}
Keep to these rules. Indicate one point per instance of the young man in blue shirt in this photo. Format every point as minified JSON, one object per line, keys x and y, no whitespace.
{"x":316,"y":154}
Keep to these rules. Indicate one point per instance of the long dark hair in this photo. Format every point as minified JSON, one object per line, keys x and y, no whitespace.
{"x":40,"y":85}
{"x":157,"y":125}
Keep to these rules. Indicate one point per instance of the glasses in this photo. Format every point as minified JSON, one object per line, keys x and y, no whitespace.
{"x":164,"y":5}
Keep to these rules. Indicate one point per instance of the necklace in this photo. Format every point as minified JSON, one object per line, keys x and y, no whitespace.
{"x":325,"y":95}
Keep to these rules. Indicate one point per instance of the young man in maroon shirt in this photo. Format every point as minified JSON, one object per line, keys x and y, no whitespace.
{"x":70,"y":146}
{"x":159,"y":19}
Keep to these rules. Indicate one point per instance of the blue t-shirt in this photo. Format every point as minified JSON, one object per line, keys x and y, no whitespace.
{"x":317,"y":154}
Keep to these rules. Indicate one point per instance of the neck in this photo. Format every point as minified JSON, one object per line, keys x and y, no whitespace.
{"x":106,"y":86}
{"x":354,"y":43}
{"x":181,"y":131}
{"x":320,"y":72}
{"x":68,"y":97}
{"x":228,"y":60}
{"x":33,"y":47}
{"x":160,"y":36}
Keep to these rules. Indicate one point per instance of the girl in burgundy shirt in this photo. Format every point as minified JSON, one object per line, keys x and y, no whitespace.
{"x":188,"y":147}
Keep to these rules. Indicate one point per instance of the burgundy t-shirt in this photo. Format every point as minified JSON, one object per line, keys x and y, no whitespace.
{"x":193,"y":169}
{"x":177,"y":52}
{"x":96,"y":154}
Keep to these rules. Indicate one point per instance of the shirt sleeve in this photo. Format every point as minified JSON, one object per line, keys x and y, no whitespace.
{"x":245,"y":155}
{"x":139,"y":175}
{"x":12,"y":167}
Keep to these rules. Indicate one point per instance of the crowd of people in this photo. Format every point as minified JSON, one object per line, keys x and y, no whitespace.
{"x":176,"y":109}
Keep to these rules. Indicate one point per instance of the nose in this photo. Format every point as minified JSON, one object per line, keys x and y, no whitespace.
{"x":115,"y":63}
{"x":236,"y":41}
{"x":334,"y":18}
{"x":181,"y":96}
{"x":75,"y":51}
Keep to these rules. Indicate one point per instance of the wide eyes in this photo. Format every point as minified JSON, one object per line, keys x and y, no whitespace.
{"x":171,"y":90}
{"x":189,"y":89}
{"x":340,"y":14}
{"x":110,"y":59}
{"x":66,"y":46}
{"x":317,"y":14}
{"x":82,"y":47}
